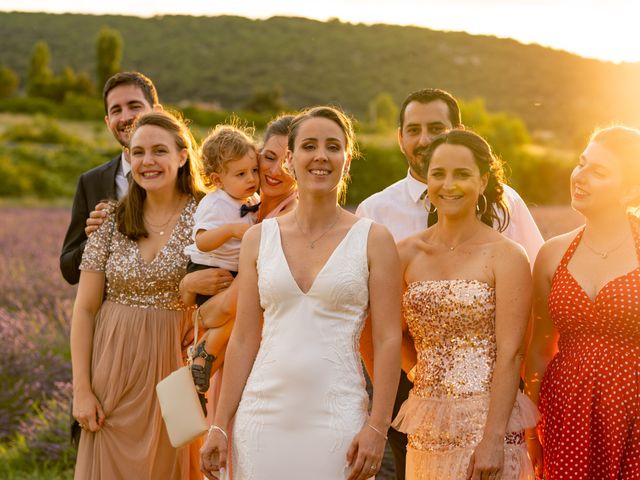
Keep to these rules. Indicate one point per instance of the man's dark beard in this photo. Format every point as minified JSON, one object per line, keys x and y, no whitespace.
{"x":128,"y":127}
{"x":420,"y":157}
{"x":420,"y":152}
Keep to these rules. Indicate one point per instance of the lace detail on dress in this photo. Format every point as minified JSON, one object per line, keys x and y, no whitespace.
{"x":305,"y":397}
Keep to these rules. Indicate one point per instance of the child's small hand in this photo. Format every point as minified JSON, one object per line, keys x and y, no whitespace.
{"x":239,"y":229}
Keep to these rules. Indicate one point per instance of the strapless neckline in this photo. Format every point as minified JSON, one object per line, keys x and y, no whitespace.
{"x":452,"y":280}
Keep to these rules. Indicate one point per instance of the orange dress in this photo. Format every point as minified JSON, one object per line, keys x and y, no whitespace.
{"x":590,"y":393}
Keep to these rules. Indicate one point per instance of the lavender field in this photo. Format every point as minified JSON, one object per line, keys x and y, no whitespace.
{"x":35,"y":371}
{"x":35,"y":313}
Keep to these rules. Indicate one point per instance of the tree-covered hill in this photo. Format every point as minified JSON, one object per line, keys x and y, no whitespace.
{"x":226,"y":60}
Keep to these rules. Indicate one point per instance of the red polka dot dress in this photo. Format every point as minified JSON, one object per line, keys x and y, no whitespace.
{"x":590,"y":393}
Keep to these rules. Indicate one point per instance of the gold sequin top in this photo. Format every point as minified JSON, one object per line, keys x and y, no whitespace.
{"x":129,"y":279}
{"x":453,"y":326}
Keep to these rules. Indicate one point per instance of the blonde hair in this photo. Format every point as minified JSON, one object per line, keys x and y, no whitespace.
{"x":224,"y":144}
{"x":624,"y":143}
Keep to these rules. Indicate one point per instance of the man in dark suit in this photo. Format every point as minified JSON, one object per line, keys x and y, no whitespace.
{"x":126,"y":96}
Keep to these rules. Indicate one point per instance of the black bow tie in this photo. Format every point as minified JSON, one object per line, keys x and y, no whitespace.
{"x":244,"y":209}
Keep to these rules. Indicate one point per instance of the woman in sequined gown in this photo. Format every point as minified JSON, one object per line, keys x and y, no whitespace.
{"x":586,"y":336}
{"x":293,"y":376}
{"x":466,"y":305}
{"x":129,"y":324}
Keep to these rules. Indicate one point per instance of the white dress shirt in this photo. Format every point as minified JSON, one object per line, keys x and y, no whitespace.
{"x":122,"y":182}
{"x":399,"y":208}
{"x":215,"y":210}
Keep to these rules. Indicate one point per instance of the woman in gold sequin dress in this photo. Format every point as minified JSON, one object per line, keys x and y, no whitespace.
{"x":129,"y":324}
{"x":466,"y":304}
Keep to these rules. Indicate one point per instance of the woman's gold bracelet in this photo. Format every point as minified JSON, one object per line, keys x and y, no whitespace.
{"x":377,"y":431}
{"x":218,"y":429}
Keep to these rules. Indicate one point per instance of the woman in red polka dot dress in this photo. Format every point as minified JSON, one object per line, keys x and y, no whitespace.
{"x":587,"y":299}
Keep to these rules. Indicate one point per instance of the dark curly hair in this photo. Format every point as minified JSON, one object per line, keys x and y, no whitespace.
{"x":496,"y":212}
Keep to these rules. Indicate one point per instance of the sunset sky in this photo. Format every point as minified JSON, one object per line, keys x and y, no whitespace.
{"x":593,"y":28}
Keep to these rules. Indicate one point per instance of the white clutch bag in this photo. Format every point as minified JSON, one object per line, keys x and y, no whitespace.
{"x":179,"y":404}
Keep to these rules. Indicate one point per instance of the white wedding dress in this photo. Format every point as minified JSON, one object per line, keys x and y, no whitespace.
{"x":305,"y":397}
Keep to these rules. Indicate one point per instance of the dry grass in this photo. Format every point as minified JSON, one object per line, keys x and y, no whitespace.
{"x":554,"y":220}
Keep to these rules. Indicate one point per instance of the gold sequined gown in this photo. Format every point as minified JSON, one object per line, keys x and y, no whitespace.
{"x":138,"y":338}
{"x":453,"y":326}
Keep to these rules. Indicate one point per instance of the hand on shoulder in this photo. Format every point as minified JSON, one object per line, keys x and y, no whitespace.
{"x":98,"y":216}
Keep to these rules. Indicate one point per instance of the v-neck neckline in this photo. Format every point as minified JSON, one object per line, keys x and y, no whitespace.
{"x":571,"y":251}
{"x":166,"y":244}
{"x":321,"y":271}
{"x":604,"y":287}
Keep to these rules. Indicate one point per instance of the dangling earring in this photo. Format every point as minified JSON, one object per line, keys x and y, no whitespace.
{"x":485,"y":204}
{"x":289,"y":170}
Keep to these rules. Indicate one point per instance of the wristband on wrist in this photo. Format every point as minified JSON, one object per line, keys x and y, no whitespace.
{"x":379,"y":432}
{"x":216,"y":428}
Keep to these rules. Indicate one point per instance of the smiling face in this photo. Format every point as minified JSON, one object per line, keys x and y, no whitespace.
{"x":240,"y":178}
{"x":422,"y":123}
{"x":125,"y":103}
{"x":597,"y":182}
{"x":454,"y":181}
{"x":155,"y":159}
{"x":319,"y":158}
{"x":274,"y":180}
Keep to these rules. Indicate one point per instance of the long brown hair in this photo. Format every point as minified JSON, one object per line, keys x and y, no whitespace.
{"x":129,"y":213}
{"x":496,"y":210}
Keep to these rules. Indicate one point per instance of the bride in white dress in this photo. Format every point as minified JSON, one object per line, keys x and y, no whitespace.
{"x":293,"y":376}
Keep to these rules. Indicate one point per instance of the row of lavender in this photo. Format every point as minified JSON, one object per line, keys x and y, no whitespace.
{"x":35,"y":313}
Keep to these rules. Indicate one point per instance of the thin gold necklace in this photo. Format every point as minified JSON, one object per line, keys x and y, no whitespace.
{"x":451,"y":248}
{"x":606,"y":253}
{"x":312,"y":244}
{"x":160,"y":229}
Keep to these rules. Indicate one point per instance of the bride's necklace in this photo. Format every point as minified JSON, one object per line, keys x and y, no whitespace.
{"x":312,"y":243}
{"x":602,"y":254}
{"x":161,"y":229}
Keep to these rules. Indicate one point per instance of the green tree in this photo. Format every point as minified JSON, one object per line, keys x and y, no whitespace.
{"x":108,"y":54}
{"x":39,"y":74}
{"x":383,"y":113}
{"x":266,"y":101}
{"x":505,"y":133}
{"x":8,"y":82}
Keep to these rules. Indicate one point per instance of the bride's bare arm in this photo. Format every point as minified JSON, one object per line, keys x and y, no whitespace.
{"x":384,"y":299}
{"x":366,"y":450}
{"x":240,"y":355}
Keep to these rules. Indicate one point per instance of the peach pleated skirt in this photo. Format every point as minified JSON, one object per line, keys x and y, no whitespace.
{"x":133,"y":349}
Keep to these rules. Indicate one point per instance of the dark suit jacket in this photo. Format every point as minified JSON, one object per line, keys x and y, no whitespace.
{"x":93,"y":186}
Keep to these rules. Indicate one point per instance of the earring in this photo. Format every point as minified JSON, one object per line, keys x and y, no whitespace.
{"x":289,"y":169}
{"x":485,"y":204}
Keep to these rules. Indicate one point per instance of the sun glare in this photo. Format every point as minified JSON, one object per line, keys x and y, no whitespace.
{"x":590,"y":28}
